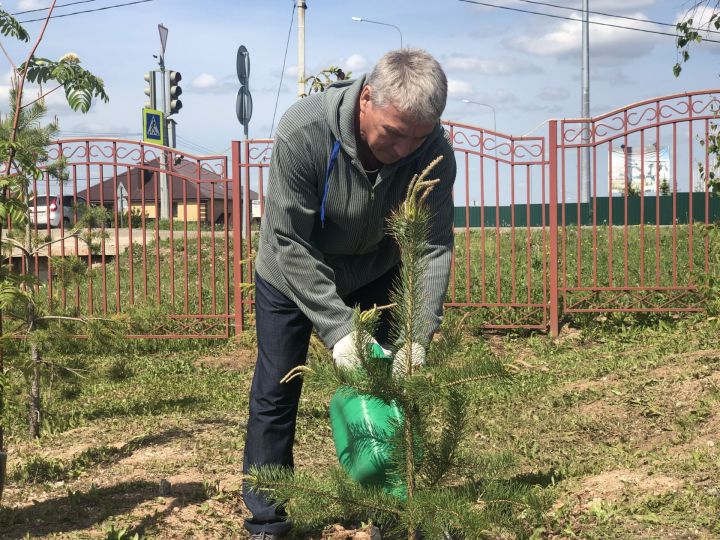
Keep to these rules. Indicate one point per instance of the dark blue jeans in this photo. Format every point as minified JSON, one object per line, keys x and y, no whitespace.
{"x":283,"y":336}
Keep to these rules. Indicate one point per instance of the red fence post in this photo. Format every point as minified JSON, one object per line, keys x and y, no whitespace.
{"x":237,"y":235}
{"x":553,"y":209}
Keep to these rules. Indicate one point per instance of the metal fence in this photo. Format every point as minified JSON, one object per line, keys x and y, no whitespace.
{"x":528,"y":248}
{"x":174,"y":273}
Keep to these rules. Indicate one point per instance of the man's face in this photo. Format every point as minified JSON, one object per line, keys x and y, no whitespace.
{"x":390,"y":135}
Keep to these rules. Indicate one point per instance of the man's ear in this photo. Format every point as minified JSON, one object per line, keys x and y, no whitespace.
{"x":365,"y":97}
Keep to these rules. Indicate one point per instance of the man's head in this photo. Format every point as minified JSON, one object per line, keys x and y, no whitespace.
{"x":401,"y":103}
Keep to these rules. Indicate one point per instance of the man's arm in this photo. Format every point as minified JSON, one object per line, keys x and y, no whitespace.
{"x":440,"y":244}
{"x":291,"y":215}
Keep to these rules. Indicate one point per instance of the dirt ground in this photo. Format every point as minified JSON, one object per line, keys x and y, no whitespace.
{"x":177,"y":477}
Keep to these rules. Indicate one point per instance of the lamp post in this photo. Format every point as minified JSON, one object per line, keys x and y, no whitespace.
{"x":485,"y":105}
{"x":361,"y":19}
{"x":494,"y":112}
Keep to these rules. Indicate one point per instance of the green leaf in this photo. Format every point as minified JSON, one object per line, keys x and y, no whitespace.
{"x":80,"y":85}
{"x":78,"y":99}
{"x":9,"y":26}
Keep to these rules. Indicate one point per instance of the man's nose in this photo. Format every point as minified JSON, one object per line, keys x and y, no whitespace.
{"x":403,"y":148}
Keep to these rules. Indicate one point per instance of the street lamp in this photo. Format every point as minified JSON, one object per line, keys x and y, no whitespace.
{"x":361,"y":19}
{"x":485,"y":105}
{"x":494,"y":118}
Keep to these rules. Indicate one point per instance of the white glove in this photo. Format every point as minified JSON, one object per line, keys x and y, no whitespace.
{"x":400,"y":363}
{"x":345,"y":351}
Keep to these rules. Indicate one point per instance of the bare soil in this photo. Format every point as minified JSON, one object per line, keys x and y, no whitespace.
{"x":184,"y":481}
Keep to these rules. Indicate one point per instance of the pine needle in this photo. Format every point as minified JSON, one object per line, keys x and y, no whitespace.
{"x":297,"y":371}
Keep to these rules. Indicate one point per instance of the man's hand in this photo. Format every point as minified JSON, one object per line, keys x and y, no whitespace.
{"x":345,"y":351}
{"x":400,"y":362}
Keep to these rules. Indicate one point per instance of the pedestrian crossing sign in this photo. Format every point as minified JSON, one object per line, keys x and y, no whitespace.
{"x":154,"y":127}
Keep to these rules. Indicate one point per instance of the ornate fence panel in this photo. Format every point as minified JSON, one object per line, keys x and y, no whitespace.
{"x":635,"y":241}
{"x":501,"y":266}
{"x":174,"y":273}
{"x":533,"y":239}
{"x":251,"y":161}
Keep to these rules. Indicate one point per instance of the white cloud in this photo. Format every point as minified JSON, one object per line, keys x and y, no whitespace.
{"x":32,"y":4}
{"x":553,"y":94}
{"x":481,"y":66}
{"x":459,"y":88}
{"x":204,"y":81}
{"x":354,"y":62}
{"x":607,"y":45}
{"x":292,"y":71}
{"x":99,"y":128}
{"x":55,"y":102}
{"x":611,"y":6}
{"x":620,"y":5}
{"x":209,"y":84}
{"x":498,"y":98}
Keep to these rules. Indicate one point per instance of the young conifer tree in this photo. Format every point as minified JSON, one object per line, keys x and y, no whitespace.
{"x":428,"y":489}
{"x":24,"y":160}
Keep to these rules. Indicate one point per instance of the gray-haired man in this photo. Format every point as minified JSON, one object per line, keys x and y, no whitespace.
{"x":341,"y":163}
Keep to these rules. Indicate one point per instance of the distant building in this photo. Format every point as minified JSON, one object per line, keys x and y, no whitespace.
{"x":194,"y":192}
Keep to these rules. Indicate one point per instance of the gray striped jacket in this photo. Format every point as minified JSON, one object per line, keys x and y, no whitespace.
{"x":314,"y":265}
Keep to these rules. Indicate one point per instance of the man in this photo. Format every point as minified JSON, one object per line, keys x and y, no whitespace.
{"x":341,"y":162}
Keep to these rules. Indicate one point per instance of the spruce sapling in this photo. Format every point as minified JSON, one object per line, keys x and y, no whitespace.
{"x":427,"y":488}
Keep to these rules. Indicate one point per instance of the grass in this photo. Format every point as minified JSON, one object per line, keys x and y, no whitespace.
{"x":616,"y":422}
{"x":504,"y":272}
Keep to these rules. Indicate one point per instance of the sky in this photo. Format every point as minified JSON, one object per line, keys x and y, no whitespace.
{"x":525,"y":67}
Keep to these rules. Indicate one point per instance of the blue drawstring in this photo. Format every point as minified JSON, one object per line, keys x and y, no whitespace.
{"x":331,"y":164}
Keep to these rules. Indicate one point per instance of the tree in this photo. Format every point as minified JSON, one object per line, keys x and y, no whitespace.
{"x":319,"y":82}
{"x":687,"y":36}
{"x":23,"y":152}
{"x":708,"y":282}
{"x":428,"y":485}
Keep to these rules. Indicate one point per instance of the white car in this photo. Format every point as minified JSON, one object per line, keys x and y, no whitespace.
{"x":46,"y":209}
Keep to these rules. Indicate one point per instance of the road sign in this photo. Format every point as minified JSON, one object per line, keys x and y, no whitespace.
{"x":243,"y":65}
{"x":244,"y":106}
{"x":163,"y":36}
{"x":154,"y":127}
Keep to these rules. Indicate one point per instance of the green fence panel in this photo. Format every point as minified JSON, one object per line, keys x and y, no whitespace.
{"x":634,"y":207}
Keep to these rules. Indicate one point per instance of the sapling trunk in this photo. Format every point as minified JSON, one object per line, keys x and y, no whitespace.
{"x":35,"y":399}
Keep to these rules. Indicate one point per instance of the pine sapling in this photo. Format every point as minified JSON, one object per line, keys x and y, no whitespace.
{"x":427,"y":486}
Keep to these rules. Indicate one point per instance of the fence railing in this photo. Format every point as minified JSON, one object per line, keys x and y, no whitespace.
{"x":535,"y":238}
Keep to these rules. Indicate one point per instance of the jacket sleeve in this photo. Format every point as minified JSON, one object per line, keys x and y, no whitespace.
{"x":440,"y":242}
{"x":291,"y":213}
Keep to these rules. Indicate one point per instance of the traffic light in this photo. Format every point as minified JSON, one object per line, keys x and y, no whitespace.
{"x":150,"y":90}
{"x":174,"y":92}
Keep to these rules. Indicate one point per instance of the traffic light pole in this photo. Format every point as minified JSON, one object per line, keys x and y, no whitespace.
{"x":164,"y":191}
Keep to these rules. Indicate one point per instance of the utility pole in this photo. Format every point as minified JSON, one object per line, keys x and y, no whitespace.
{"x":585,"y":155}
{"x":301,"y":7}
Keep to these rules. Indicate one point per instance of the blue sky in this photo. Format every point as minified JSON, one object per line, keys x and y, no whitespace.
{"x":526,"y":66}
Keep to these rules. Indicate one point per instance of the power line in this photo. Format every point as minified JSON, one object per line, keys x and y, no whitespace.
{"x":626,"y":17}
{"x":87,"y":11}
{"x":282,"y":73}
{"x":578,"y":20}
{"x":56,"y":6}
{"x":196,"y":145}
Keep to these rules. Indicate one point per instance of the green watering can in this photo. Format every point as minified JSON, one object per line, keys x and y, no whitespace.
{"x":362,"y":427}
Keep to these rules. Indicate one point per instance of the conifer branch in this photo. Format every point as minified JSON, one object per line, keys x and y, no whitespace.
{"x":74,"y":234}
{"x":297,"y":371}
{"x":76,"y":319}
{"x":466,"y":380}
{"x":270,"y":485}
{"x":484,"y":502}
